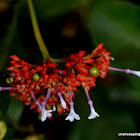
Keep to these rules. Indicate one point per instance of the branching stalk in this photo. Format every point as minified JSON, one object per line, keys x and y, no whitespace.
{"x":37,"y":33}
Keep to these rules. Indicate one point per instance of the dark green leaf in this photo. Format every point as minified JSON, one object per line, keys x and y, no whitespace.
{"x":116,"y":24}
{"x":4,"y":102}
{"x":7,"y":40}
{"x":14,"y":113}
{"x":15,"y":110}
{"x":112,"y":120}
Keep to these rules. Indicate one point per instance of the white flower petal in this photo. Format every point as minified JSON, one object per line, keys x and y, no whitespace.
{"x":137,"y":73}
{"x":72,"y":115}
{"x":63,"y":103}
{"x":93,"y":115}
{"x":70,"y":118}
{"x":45,"y":114}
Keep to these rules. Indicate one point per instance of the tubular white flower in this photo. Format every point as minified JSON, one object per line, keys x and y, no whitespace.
{"x":72,"y":115}
{"x":63,"y":103}
{"x":93,"y":115}
{"x":128,"y":71}
{"x":45,"y":114}
{"x":137,"y":73}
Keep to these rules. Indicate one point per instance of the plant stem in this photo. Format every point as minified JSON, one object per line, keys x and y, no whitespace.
{"x":128,"y":71}
{"x":59,"y":60}
{"x":39,"y":39}
{"x":37,"y":33}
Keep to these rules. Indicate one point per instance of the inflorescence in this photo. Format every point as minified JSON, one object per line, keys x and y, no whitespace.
{"x":47,"y":87}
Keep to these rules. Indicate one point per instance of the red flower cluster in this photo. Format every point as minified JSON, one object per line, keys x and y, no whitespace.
{"x":58,"y":80}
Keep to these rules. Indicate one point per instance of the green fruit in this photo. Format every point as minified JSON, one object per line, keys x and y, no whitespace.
{"x":94,"y":71}
{"x":39,"y":116}
{"x":11,"y":79}
{"x":36,"y":77}
{"x":8,"y":81}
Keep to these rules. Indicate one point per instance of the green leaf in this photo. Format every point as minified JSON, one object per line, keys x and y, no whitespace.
{"x":135,"y":88}
{"x":4,"y":102}
{"x":116,"y":24}
{"x":9,"y":45}
{"x":14,"y":113}
{"x":105,"y":127}
{"x":8,"y":38}
{"x":15,"y":110}
{"x":112,"y":120}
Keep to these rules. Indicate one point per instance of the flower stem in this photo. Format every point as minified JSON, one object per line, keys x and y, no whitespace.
{"x":71,"y":102}
{"x":5,"y":88}
{"x":46,"y":99}
{"x":90,"y":102}
{"x":37,"y":33}
{"x":36,"y":102}
{"x":128,"y":71}
{"x":59,"y":60}
{"x":63,"y":103}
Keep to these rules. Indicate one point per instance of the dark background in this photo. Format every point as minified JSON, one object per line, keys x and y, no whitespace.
{"x":68,"y":27}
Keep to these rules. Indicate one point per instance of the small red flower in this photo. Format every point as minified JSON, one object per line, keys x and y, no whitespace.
{"x":60,"y":84}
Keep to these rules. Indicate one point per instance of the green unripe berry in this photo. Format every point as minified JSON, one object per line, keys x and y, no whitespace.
{"x":11,"y":79}
{"x":36,"y":77}
{"x":39,"y":116}
{"x":94,"y":71}
{"x":8,"y":81}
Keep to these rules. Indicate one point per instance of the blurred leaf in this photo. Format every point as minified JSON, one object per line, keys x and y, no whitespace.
{"x":14,"y":113}
{"x":116,"y":24}
{"x":53,"y":8}
{"x":125,"y":95}
{"x":3,"y":129}
{"x":112,"y":120}
{"x":7,"y":40}
{"x":18,"y":48}
{"x":4,"y":102}
{"x":7,"y":43}
{"x":105,"y":127}
{"x":135,"y":87}
{"x":15,"y":110}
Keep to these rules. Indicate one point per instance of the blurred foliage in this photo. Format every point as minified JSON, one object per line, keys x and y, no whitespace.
{"x":6,"y":44}
{"x":13,"y":116}
{"x":67,"y":27}
{"x":113,"y":119}
{"x":53,"y":8}
{"x":3,"y":129}
{"x":117,"y":25}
